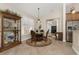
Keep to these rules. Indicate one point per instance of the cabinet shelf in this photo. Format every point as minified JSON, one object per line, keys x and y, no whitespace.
{"x":10,"y":30}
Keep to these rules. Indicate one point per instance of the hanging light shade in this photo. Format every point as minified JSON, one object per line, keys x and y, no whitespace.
{"x":73,"y":10}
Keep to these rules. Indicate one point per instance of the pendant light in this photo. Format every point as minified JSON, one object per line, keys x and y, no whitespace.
{"x":72,"y":10}
{"x":38,"y":20}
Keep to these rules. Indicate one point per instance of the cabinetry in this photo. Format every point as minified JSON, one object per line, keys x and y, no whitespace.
{"x":10,"y":30}
{"x":72,"y":24}
{"x":72,"y":17}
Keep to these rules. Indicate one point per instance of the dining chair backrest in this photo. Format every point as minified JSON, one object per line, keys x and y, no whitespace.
{"x":32,"y":34}
{"x":47,"y":33}
{"x":36,"y":30}
{"x":41,"y":30}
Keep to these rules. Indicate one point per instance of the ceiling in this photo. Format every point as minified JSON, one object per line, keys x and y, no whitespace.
{"x":31,"y":8}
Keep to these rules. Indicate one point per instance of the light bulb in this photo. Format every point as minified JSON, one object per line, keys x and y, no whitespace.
{"x":73,"y":11}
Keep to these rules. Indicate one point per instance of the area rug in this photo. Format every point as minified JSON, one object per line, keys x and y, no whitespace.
{"x":39,"y":43}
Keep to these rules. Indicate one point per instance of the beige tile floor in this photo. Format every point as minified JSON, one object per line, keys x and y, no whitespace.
{"x":56,"y":48}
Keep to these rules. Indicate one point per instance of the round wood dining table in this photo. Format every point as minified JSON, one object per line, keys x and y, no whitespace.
{"x":39,"y":36}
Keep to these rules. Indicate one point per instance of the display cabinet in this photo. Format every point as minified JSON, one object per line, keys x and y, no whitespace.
{"x":10,"y":30}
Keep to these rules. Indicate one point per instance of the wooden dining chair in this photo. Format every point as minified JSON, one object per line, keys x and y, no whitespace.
{"x":45,"y":37}
{"x":33,"y":36}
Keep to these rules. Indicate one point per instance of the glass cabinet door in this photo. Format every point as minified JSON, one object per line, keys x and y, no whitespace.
{"x":8,"y":31}
{"x":11,"y":31}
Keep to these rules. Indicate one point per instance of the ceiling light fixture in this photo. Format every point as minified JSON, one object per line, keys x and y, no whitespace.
{"x":38,"y":14}
{"x":73,"y":10}
{"x":38,"y":20}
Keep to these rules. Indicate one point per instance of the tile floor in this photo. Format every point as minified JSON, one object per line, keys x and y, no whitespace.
{"x":56,"y":48}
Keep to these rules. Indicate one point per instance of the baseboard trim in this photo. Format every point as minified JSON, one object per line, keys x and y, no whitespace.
{"x":77,"y":52}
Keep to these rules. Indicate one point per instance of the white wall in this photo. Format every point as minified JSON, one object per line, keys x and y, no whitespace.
{"x":64,"y":22}
{"x":56,"y":16}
